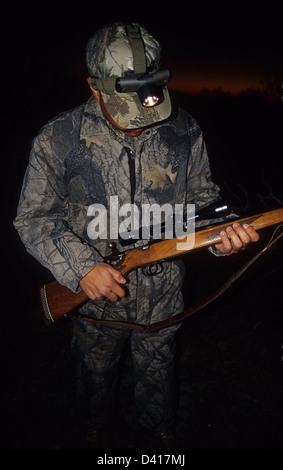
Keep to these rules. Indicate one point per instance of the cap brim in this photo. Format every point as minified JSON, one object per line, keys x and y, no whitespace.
{"x":128,"y":112}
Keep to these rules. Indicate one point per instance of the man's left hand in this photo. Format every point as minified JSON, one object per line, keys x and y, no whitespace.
{"x":236,"y":238}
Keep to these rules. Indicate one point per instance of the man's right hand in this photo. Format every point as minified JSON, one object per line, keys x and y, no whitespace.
{"x":103,"y":281}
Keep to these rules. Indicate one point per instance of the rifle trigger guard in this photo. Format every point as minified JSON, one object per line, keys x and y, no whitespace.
{"x":152,"y":269}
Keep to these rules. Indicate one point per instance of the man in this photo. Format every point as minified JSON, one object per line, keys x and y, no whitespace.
{"x":114,"y":145}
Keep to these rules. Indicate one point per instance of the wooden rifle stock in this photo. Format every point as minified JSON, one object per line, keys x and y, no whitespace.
{"x":58,"y":300}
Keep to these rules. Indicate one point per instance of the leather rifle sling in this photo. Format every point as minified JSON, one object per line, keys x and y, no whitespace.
{"x":191,"y":310}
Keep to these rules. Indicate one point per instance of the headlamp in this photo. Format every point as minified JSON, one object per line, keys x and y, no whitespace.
{"x":147,"y":86}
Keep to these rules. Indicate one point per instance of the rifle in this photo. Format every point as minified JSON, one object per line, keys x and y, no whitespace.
{"x":58,"y":301}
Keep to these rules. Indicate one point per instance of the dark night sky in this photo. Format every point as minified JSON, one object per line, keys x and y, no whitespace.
{"x":214,"y":46}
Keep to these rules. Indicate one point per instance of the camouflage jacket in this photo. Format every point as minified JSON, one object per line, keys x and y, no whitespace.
{"x":78,"y":159}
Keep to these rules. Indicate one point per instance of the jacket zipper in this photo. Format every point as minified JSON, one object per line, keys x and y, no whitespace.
{"x":131,"y":159}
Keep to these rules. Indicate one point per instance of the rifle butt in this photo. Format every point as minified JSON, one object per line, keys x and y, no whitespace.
{"x":58,"y":301}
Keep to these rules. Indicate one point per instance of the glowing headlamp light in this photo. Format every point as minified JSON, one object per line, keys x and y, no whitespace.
{"x":149,"y":98}
{"x":149,"y":87}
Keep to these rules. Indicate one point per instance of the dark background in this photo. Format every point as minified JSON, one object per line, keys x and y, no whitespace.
{"x":229,"y":356}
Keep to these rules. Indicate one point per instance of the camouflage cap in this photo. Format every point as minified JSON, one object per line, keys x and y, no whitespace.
{"x":109,"y":54}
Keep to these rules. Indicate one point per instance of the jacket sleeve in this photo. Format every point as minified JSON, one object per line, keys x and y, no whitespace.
{"x":42,"y":217}
{"x":201,"y":190}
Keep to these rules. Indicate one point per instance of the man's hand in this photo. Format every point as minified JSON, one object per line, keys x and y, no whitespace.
{"x":236,"y":238}
{"x":103,"y":281}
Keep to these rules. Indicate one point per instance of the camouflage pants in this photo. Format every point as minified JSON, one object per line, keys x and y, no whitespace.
{"x":98,"y":350}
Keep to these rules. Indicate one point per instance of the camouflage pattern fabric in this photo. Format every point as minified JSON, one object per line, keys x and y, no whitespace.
{"x":99,"y":349}
{"x":78,"y":159}
{"x":109,"y":54}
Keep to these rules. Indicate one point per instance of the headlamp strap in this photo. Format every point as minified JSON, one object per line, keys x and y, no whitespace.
{"x":108,"y":84}
{"x":105,"y":84}
{"x":137,"y":46}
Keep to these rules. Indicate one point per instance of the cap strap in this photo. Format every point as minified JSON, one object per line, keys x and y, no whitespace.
{"x":137,"y":46}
